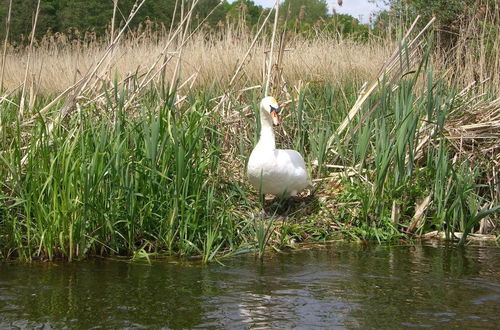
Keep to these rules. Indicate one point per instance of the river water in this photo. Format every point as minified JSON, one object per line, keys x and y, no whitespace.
{"x":336,"y":286}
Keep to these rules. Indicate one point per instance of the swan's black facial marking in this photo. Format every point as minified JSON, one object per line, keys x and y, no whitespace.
{"x":275,"y":109}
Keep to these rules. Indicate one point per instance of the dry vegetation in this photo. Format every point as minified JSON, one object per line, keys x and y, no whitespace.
{"x":58,"y":63}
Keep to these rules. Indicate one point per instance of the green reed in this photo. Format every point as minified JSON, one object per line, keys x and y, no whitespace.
{"x":395,"y":172}
{"x":164,"y":178}
{"x":117,"y":185}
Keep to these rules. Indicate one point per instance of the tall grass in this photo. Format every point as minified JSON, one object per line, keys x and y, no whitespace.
{"x":405,"y":164}
{"x":110,"y":186}
{"x":59,"y":62}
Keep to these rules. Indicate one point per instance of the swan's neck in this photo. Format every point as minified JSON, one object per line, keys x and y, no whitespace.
{"x":266,"y":140}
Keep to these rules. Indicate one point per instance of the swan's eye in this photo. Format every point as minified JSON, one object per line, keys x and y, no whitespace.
{"x":275,"y":109}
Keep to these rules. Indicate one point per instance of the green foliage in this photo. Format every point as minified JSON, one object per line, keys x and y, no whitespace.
{"x":77,"y":17}
{"x":450,"y":15}
{"x":304,"y":11}
{"x":245,"y":11}
{"x":392,"y":173}
{"x":446,"y":12}
{"x":152,"y":182}
{"x":91,"y":15}
{"x":149,"y":183}
{"x":203,"y":9}
{"x":349,"y":26}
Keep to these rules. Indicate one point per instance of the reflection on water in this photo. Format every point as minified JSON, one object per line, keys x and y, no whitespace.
{"x":342,"y":286}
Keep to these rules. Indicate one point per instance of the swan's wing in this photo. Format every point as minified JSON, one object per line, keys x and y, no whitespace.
{"x":293,"y":166}
{"x":296,"y":158}
{"x":290,"y":160}
{"x":282,"y":171}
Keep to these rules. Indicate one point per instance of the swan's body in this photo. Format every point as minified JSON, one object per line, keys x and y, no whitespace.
{"x":275,"y":171}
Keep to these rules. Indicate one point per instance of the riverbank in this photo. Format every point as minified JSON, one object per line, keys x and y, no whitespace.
{"x":170,"y":178}
{"x":151,"y":163}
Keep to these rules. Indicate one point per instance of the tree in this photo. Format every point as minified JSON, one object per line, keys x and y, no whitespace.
{"x":449,"y":14}
{"x":347,"y":25}
{"x":21,"y":19}
{"x":305,"y":11}
{"x":83,"y":15}
{"x":203,"y":9}
{"x":247,"y":9}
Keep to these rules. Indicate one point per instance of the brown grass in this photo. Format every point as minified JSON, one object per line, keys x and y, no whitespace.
{"x":58,"y":62}
{"x":210,"y":57}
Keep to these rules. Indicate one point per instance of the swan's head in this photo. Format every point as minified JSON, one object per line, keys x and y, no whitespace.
{"x":270,"y":106}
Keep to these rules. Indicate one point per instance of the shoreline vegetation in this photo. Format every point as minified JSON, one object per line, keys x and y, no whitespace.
{"x":136,"y":145}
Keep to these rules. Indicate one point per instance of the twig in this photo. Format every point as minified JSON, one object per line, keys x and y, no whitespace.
{"x":386,"y":70}
{"x":115,"y":5}
{"x":33,"y":30}
{"x":66,"y":109}
{"x":147,"y":77}
{"x":175,"y":75}
{"x":243,"y":59}
{"x":164,"y":72}
{"x":82,"y":83}
{"x":270,"y":62}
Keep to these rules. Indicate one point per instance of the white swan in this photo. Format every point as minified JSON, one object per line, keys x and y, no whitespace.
{"x":270,"y":170}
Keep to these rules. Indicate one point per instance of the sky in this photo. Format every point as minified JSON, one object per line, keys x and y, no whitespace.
{"x":360,"y":9}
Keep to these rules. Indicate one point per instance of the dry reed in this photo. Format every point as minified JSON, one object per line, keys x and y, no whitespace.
{"x":213,"y":59}
{"x":4,"y":51}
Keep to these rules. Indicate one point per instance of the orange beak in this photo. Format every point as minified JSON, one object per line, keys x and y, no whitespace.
{"x":275,"y":116}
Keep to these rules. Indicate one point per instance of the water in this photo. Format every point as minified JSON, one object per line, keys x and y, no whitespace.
{"x":347,"y":286}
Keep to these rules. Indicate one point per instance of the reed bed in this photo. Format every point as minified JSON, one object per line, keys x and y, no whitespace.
{"x":138,"y":146}
{"x":57,"y":64}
